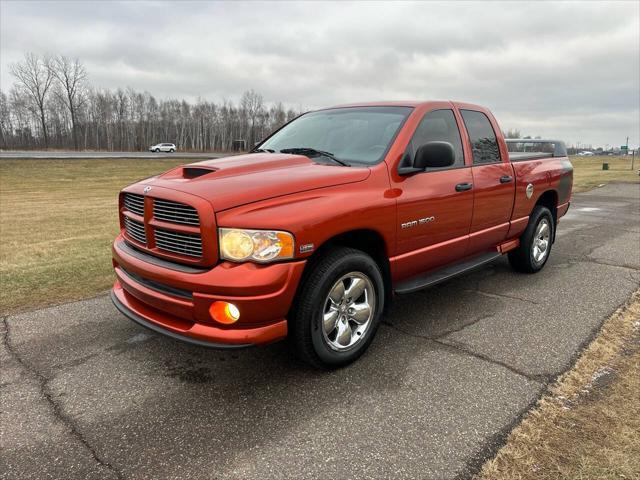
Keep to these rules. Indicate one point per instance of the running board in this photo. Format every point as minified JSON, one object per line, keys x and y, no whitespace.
{"x":430,"y":279}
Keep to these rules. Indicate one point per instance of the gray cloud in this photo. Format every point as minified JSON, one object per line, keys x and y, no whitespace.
{"x":553,"y":69}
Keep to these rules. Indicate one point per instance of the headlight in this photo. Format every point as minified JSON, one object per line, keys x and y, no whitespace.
{"x":240,"y":245}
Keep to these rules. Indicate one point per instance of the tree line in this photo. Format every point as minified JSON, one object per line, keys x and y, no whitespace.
{"x":53,"y":105}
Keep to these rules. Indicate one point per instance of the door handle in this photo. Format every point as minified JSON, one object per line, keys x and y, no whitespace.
{"x":506,"y":178}
{"x":461,"y":187}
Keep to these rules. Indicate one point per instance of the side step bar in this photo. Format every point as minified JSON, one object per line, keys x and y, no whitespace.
{"x":430,"y":279}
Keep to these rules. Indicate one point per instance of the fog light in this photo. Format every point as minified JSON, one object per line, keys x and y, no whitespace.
{"x":224,"y":312}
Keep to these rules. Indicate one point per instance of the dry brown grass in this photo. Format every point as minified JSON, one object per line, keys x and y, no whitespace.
{"x":588,"y":173}
{"x":588,"y":424}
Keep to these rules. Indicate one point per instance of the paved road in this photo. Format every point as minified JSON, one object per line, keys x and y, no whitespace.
{"x":87,"y":394}
{"x":52,"y":154}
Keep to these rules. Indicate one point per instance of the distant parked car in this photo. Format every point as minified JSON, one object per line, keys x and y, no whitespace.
{"x":163,"y":147}
{"x":585,"y":154}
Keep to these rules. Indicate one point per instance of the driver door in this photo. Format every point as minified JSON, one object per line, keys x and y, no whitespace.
{"x":435,"y":207}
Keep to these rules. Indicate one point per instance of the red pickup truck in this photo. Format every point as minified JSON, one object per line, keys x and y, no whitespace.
{"x":311,"y":234}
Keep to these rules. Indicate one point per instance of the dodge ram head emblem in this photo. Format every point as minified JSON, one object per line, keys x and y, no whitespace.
{"x":147,"y":189}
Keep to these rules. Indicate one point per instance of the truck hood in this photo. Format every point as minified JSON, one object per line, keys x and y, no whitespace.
{"x":233,"y":181}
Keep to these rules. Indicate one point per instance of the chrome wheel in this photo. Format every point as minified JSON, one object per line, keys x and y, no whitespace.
{"x":540,"y":245}
{"x":348,"y":310}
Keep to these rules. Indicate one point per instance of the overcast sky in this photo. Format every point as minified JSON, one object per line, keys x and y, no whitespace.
{"x":568,"y":70}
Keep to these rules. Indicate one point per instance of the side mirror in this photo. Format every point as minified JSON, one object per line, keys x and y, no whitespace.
{"x":434,"y":155}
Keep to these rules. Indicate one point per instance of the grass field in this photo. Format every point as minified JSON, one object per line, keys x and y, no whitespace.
{"x":587,"y":426}
{"x":588,"y":172}
{"x":58,"y":218}
{"x":57,"y":221}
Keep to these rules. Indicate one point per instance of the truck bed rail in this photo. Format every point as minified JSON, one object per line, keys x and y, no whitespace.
{"x":530,"y":149}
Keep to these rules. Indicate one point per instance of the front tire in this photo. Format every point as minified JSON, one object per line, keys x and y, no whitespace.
{"x":535,"y":243}
{"x":157,"y":150}
{"x":338,"y":308}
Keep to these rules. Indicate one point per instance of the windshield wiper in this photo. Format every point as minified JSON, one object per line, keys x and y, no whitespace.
{"x":313,"y":152}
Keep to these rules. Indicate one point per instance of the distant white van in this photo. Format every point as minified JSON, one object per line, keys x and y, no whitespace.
{"x":163,"y":147}
{"x":586,"y":154}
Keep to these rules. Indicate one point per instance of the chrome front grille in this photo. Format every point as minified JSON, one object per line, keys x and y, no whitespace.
{"x":184,"y":238}
{"x":177,"y":242}
{"x":135,"y":230}
{"x":134,"y":203}
{"x":175,"y":212}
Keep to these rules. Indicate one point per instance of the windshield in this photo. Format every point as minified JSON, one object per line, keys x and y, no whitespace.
{"x":351,"y":134}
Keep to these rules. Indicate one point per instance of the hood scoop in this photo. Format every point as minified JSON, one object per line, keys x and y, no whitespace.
{"x":188,"y":172}
{"x":195,"y":172}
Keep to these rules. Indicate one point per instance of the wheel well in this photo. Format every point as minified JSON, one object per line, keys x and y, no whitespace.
{"x":368,"y":241}
{"x":549,"y":199}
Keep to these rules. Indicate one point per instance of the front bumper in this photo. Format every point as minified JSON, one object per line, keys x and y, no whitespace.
{"x":175,"y":301}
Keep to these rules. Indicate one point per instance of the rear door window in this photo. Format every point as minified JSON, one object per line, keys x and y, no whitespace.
{"x":483,"y":139}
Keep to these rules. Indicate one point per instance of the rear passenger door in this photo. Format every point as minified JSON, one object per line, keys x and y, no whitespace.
{"x":493,"y":184}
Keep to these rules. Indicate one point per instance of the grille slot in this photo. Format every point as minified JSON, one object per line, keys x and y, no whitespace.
{"x":176,"y":242}
{"x":134,"y":203}
{"x":135,"y":230}
{"x":175,"y":212}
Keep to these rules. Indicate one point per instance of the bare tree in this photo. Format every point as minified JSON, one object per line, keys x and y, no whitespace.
{"x":253,"y":106}
{"x":6,"y":129}
{"x":22,"y":128}
{"x":512,"y":133}
{"x":35,"y":77}
{"x":71,"y":76}
{"x":121,"y":116}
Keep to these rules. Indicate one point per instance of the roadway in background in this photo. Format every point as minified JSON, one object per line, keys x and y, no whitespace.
{"x":33,"y":154}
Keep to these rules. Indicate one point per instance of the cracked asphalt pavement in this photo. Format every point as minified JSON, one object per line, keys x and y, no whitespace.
{"x":85,"y":393}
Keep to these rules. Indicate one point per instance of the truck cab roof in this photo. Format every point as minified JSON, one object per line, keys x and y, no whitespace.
{"x":407,"y":103}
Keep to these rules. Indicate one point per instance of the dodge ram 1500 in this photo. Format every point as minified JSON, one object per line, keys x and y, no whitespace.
{"x":312,"y":233}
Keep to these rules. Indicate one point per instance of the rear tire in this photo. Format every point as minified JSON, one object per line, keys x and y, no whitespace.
{"x":535,"y":243}
{"x":338,"y":308}
{"x":171,"y":151}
